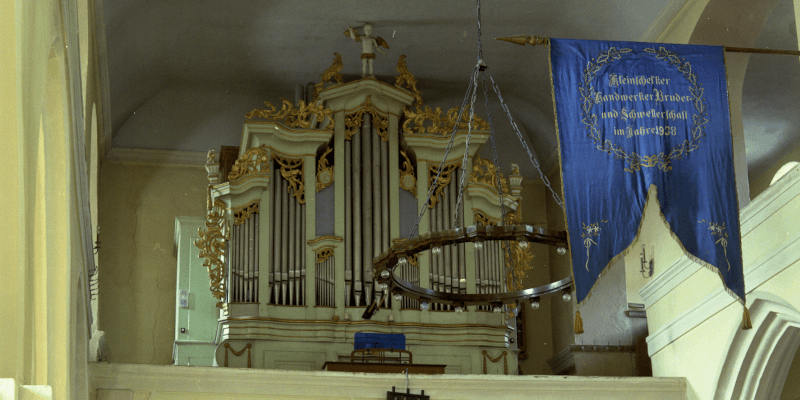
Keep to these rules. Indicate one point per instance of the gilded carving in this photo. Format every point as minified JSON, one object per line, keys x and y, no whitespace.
{"x":518,"y":262}
{"x":484,"y":172}
{"x":352,"y":122}
{"x":323,"y":254}
{"x":238,"y":353}
{"x":408,"y":180}
{"x":253,"y":161}
{"x":429,"y":120}
{"x":481,"y":218}
{"x":294,"y":117}
{"x":324,"y":171}
{"x":212,"y":248}
{"x":494,"y":360}
{"x":332,"y":73}
{"x":444,"y":180}
{"x":292,"y":171}
{"x":241,"y":214}
{"x":408,"y":79}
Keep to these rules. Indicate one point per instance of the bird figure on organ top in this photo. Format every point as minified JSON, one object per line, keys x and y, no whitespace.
{"x":368,"y":46}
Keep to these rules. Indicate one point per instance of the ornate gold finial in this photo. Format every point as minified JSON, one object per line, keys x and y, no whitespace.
{"x":212,"y":248}
{"x":292,"y":171}
{"x":332,"y":73}
{"x":406,"y":78}
{"x":485,"y":173}
{"x":352,"y":122}
{"x":523,"y":40}
{"x":294,"y":117}
{"x":439,"y":124}
{"x":407,"y":179}
{"x":324,"y":171}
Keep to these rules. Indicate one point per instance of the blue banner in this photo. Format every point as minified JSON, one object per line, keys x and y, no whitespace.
{"x":631,"y":115}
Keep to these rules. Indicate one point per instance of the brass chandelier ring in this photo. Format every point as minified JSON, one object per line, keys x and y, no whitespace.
{"x":398,"y":254}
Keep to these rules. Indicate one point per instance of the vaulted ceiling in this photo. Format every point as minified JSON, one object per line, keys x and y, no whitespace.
{"x":182,"y":75}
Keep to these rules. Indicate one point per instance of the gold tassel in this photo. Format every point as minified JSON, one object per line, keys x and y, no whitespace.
{"x":746,"y":324}
{"x":578,"y":323}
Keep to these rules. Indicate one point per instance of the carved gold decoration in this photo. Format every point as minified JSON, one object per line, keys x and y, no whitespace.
{"x":253,"y":161}
{"x":329,"y":237}
{"x":212,"y":248}
{"x":494,"y":360}
{"x":294,"y":117}
{"x":483,"y":219}
{"x":292,"y":171}
{"x":485,"y":173}
{"x":323,"y":254}
{"x":332,"y":73}
{"x":406,"y":78}
{"x":324,"y":171}
{"x":518,"y":262}
{"x":407,"y":179}
{"x":241,"y":214}
{"x":352,"y":122}
{"x":439,"y":123}
{"x":414,"y":259}
{"x":238,"y":353}
{"x":444,"y":180}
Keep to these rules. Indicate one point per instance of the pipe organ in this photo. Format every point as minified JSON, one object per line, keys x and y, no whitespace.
{"x":323,"y":186}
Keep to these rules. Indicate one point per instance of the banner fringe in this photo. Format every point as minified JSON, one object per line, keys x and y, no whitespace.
{"x":653,"y":190}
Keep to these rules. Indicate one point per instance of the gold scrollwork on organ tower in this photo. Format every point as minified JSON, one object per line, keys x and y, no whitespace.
{"x":241,"y":214}
{"x":332,"y":73}
{"x":212,"y":248}
{"x":352,"y":122}
{"x":406,"y":78}
{"x":324,"y":171}
{"x":444,"y":180}
{"x":481,"y":218}
{"x":429,"y":120}
{"x":253,"y":161}
{"x":485,"y":173}
{"x":407,"y":179}
{"x":292,"y":171}
{"x":294,"y":117}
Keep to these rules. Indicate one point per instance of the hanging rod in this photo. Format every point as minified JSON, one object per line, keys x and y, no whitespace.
{"x":534,"y":40}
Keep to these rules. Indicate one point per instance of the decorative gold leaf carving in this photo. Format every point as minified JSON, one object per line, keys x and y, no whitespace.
{"x":294,"y":117}
{"x":324,"y":171}
{"x":323,"y":254}
{"x":241,"y":214}
{"x":332,"y":73}
{"x":292,"y":171}
{"x":484,"y":220}
{"x":212,"y":248}
{"x":408,"y":180}
{"x":408,"y":79}
{"x":484,"y":172}
{"x":518,"y":263}
{"x":438,"y":123}
{"x":253,"y":161}
{"x":444,"y":180}
{"x":352,"y":122}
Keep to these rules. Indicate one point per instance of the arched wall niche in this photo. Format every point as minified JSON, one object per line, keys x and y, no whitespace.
{"x":759,"y":359}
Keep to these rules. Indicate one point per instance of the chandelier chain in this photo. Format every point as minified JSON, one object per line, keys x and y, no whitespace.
{"x":525,"y":145}
{"x":466,"y":147}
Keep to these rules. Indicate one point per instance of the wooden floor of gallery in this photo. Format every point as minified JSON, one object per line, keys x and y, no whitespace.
{"x":154,"y":382}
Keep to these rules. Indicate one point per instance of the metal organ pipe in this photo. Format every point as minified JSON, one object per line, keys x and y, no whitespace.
{"x":357,"y":222}
{"x":284,"y":239}
{"x":348,"y":222}
{"x":366,"y":203}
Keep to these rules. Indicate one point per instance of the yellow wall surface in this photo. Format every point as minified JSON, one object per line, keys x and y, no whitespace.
{"x":138,"y":206}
